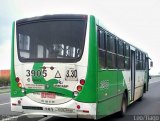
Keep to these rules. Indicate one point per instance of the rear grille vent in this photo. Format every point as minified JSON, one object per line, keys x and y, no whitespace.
{"x":32,"y":108}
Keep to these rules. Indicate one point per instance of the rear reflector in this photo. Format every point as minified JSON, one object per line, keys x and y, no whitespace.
{"x":78,"y":107}
{"x":86,"y":111}
{"x":14,"y":104}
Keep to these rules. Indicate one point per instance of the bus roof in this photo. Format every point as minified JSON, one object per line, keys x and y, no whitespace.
{"x":103,"y":27}
{"x":70,"y":16}
{"x":49,"y":17}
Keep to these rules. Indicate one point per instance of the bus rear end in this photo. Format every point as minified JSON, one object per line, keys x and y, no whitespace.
{"x":50,"y":74}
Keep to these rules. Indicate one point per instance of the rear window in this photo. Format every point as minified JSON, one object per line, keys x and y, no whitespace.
{"x":56,"y":40}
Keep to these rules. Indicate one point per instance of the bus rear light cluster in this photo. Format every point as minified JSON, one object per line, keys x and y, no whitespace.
{"x":79,"y":87}
{"x":84,"y":111}
{"x":18,"y":82}
{"x":16,"y":104}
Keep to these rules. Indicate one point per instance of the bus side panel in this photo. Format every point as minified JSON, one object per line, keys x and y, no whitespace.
{"x":88,"y":94}
{"x":123,"y":84}
{"x":15,"y":90}
{"x":112,"y":85}
{"x":108,"y":98}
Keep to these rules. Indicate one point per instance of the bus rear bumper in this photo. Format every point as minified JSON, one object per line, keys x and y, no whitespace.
{"x":70,"y":109}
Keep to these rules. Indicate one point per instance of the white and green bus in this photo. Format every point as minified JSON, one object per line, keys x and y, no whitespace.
{"x":69,"y":65}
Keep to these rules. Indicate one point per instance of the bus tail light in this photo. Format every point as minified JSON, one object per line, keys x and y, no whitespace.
{"x":79,"y":87}
{"x":17,"y":79}
{"x":82,"y":81}
{"x":19,"y":85}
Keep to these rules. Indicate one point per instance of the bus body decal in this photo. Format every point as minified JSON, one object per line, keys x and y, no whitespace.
{"x":90,"y":86}
{"x":16,"y":92}
{"x":48,"y":84}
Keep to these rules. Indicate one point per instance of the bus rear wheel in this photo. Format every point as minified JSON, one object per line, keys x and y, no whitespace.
{"x":124,"y":103}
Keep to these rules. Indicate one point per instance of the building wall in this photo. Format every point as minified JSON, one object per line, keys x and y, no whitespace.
{"x":4,"y":73}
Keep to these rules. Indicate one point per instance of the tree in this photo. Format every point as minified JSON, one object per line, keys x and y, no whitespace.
{"x":4,"y":81}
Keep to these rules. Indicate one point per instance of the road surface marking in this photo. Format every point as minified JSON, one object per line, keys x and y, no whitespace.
{"x":18,"y":116}
{"x":153,"y":82}
{"x":5,"y":103}
{"x":14,"y":117}
{"x":4,"y":93}
{"x":45,"y":118}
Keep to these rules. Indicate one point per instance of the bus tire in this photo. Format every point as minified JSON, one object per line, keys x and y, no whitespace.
{"x":124,"y":104}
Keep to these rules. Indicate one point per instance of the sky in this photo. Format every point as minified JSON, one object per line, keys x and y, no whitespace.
{"x":135,"y":21}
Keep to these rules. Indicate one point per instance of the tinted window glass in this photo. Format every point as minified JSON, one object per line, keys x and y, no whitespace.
{"x":102,"y":52}
{"x":111,"y":60}
{"x":127,"y":51}
{"x":57,"y":40}
{"x":120,"y":47}
{"x":110,"y":43}
{"x":127,"y":63}
{"x":102,"y":59}
{"x":101,"y":39}
{"x":120,"y":62}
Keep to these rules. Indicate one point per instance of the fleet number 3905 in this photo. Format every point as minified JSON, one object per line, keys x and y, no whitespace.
{"x":37,"y":73}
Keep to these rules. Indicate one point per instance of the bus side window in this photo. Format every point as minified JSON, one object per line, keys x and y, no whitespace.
{"x":138,"y":60}
{"x":144,"y":65}
{"x":120,"y":54}
{"x":101,"y":39}
{"x":111,"y":55}
{"x":127,"y":57}
{"x":102,"y":53}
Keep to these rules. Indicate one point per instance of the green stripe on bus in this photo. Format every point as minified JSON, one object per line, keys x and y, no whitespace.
{"x":15,"y":90}
{"x":49,"y":84}
{"x":89,"y":92}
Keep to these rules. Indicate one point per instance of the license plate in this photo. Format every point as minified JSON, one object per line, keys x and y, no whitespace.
{"x":48,"y":95}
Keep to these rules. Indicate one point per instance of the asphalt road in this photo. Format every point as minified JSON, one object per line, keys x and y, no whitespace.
{"x":148,"y":109}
